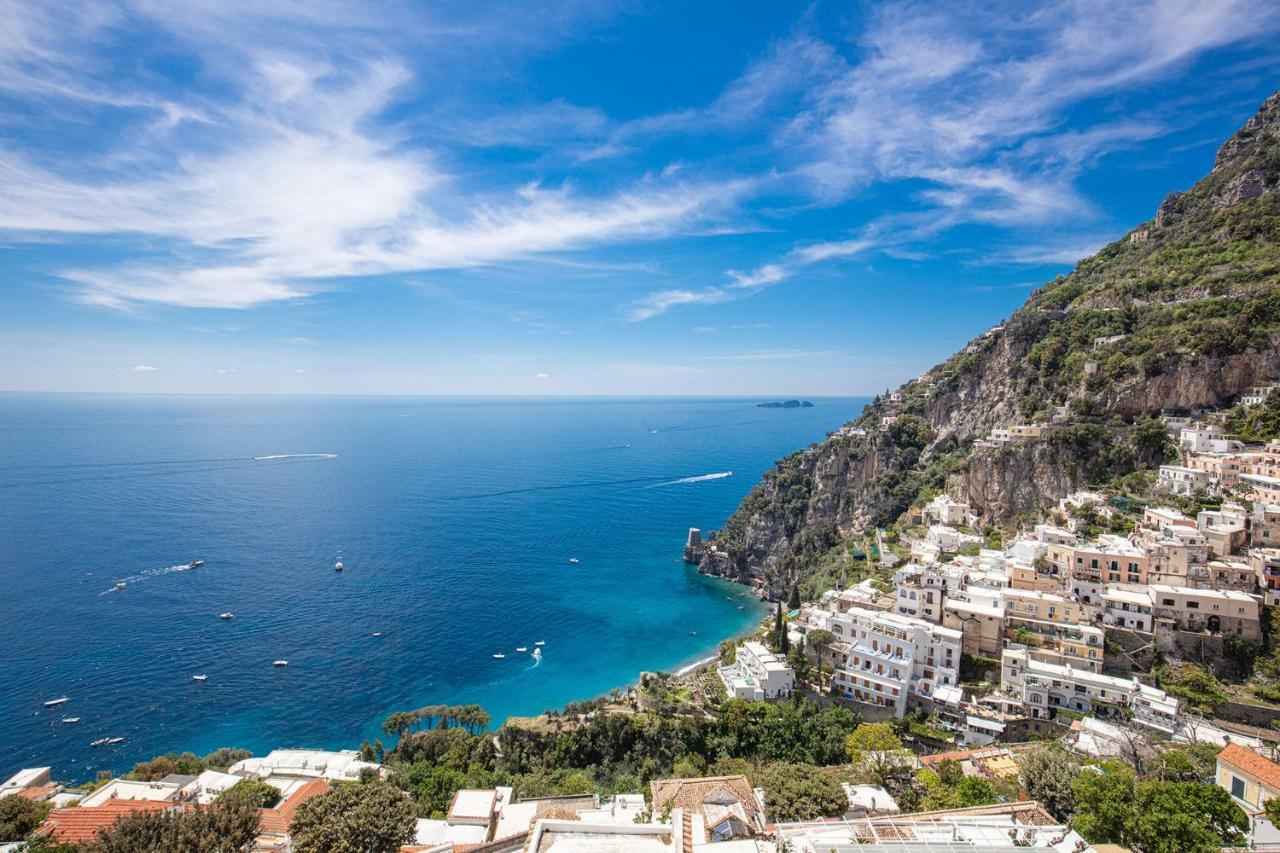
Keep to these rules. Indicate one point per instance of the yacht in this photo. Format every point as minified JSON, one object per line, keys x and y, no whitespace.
{"x":279,"y":663}
{"x":199,"y":678}
{"x":195,"y":564}
{"x":537,"y":654}
{"x":112,"y":741}
{"x":541,"y":643}
{"x":574,"y":560}
{"x":70,"y":721}
{"x":377,"y":634}
{"x":227,"y":615}
{"x":522,"y":648}
{"x":118,"y":586}
{"x":53,"y":703}
{"x":102,"y":741}
{"x":498,"y":656}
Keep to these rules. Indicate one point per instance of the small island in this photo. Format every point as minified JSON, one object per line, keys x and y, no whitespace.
{"x":786,"y":404}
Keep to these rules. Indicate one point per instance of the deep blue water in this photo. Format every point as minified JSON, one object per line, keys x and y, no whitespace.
{"x":455,"y":519}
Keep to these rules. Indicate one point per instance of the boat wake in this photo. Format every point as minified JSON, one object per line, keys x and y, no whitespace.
{"x":719,"y":475}
{"x":124,"y":583}
{"x":296,"y":456}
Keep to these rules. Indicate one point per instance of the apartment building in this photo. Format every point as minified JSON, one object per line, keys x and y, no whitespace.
{"x":757,"y":673}
{"x":1055,"y":626}
{"x":1266,"y":571}
{"x":1128,"y":607}
{"x":891,"y":660}
{"x":1110,"y":559}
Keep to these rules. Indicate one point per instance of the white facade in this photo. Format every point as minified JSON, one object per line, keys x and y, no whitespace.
{"x":945,"y":510}
{"x":757,"y":673}
{"x":890,"y":658}
{"x":1128,"y":608}
{"x":1202,"y":439}
{"x":1041,"y":688}
{"x":1180,"y":480}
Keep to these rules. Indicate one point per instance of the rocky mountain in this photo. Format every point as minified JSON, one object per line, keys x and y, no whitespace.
{"x":1182,"y":312}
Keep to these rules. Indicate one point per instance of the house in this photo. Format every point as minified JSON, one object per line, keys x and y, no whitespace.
{"x":290,"y":769}
{"x":1207,"y":439}
{"x":1183,"y":480}
{"x":1266,"y":571}
{"x":24,"y":779}
{"x":1128,"y":607}
{"x":1056,"y":627}
{"x":79,"y":824}
{"x":717,"y":808}
{"x":978,"y":614}
{"x":1248,"y":777}
{"x":161,"y":791}
{"x":273,"y":823}
{"x":757,"y":673}
{"x":1212,"y":610}
{"x":1110,"y":559}
{"x":1040,"y":689}
{"x":1231,"y":573}
{"x":946,"y":510}
{"x":562,"y":836}
{"x":869,"y":800}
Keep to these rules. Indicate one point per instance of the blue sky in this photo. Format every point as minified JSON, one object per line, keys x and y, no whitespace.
{"x":755,"y":198}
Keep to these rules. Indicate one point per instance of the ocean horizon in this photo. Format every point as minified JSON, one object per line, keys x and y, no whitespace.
{"x":456,"y":519}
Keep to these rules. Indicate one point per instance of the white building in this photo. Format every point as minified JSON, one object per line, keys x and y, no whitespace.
{"x":1128,"y":607}
{"x":946,"y":510}
{"x":1206,"y":439}
{"x":1180,"y":480}
{"x":1040,"y":689}
{"x":290,"y":769}
{"x":890,"y":659}
{"x":757,"y":673}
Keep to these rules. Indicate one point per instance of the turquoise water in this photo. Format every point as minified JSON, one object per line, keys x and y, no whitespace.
{"x":456,"y":520}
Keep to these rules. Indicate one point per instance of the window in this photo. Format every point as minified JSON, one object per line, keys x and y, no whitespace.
{"x":1167,"y":602}
{"x":1193,"y":605}
{"x":1237,"y":788}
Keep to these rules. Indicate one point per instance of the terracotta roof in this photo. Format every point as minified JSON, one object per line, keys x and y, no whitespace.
{"x":279,"y":818}
{"x":1265,"y":771}
{"x":79,"y":824}
{"x":690,"y":794}
{"x":554,"y":811}
{"x":686,"y":832}
{"x":39,"y":792}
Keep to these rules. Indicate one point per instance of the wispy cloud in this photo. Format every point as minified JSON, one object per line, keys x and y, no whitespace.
{"x":144,"y":368}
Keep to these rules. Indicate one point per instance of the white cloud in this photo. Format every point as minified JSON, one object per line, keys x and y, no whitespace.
{"x":144,"y":368}
{"x":541,"y":376}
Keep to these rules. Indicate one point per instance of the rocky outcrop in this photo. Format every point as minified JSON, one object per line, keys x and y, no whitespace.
{"x":1187,"y":316}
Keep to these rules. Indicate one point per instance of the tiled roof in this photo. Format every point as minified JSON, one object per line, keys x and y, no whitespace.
{"x":277,"y":820}
{"x":555,"y":811}
{"x":79,"y":824}
{"x":39,"y":792}
{"x":690,"y":794}
{"x":1265,"y":771}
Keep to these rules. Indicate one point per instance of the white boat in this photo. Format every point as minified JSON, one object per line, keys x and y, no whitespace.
{"x":377,"y":634}
{"x":102,"y":741}
{"x":537,"y":654}
{"x":337,"y":567}
{"x":227,"y":615}
{"x":199,"y":678}
{"x":195,"y":564}
{"x":53,"y":703}
{"x":522,"y":648}
{"x":119,"y":586}
{"x":574,"y":560}
{"x":499,"y":656}
{"x":70,"y":721}
{"x":279,"y":663}
{"x":541,"y":643}
{"x":112,"y":741}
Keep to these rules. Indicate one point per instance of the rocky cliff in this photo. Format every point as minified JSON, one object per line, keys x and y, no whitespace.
{"x":1183,"y":312}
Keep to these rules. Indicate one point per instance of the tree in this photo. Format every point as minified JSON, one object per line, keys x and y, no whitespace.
{"x":950,"y":771}
{"x":258,"y":794}
{"x":222,"y":828}
{"x":221,"y":759}
{"x":19,"y":816}
{"x":399,"y":722}
{"x":793,"y":603}
{"x":1185,"y":817}
{"x":1104,"y":803}
{"x":354,"y":818}
{"x":1048,"y":774}
{"x":432,"y":787}
{"x":802,"y":792}
{"x":1272,"y":808}
{"x":877,"y":750}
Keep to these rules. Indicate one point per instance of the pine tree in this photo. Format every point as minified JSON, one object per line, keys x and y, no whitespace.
{"x":793,"y":603}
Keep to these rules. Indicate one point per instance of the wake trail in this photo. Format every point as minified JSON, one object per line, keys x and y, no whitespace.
{"x":702,"y":478}
{"x":296,"y":456}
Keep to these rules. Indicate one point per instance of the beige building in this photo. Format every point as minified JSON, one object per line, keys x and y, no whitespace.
{"x":1216,"y":611}
{"x":1111,"y":559}
{"x":1055,"y":628}
{"x":1249,"y":778}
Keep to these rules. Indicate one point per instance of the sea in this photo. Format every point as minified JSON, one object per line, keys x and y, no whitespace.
{"x":467,"y":528}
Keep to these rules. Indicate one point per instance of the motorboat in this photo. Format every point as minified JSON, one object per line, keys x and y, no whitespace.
{"x":199,"y":678}
{"x":537,"y":654}
{"x":279,"y":663}
{"x":376,"y":634}
{"x":53,"y":703}
{"x":522,"y":648}
{"x":102,"y":741}
{"x":574,"y":560}
{"x":195,"y":564}
{"x":112,"y":741}
{"x":226,"y":615}
{"x":541,"y":643}
{"x":119,"y":586}
{"x":498,"y":656}
{"x":70,"y":721}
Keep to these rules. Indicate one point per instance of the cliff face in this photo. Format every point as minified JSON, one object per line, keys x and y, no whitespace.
{"x":1183,"y":312}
